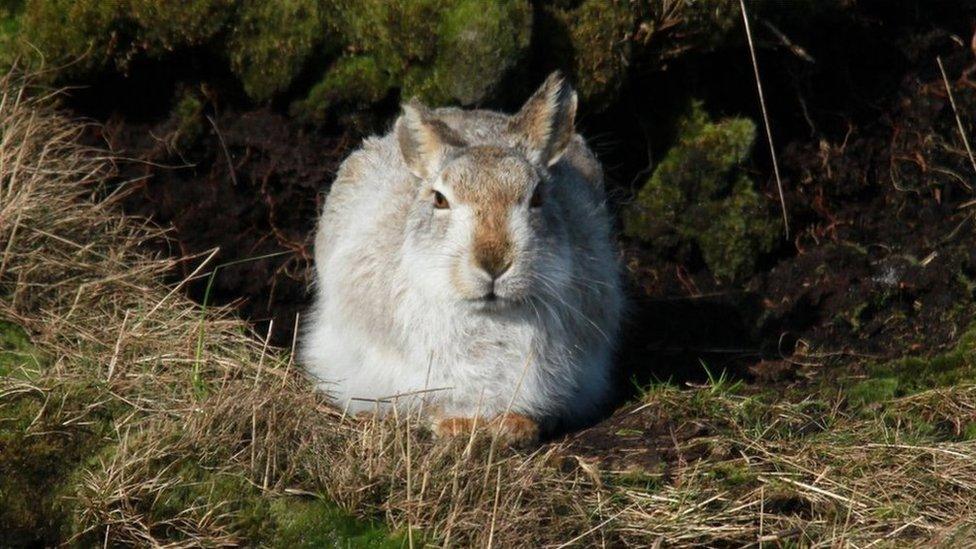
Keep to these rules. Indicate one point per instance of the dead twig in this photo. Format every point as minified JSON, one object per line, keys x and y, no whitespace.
{"x":769,"y":130}
{"x":955,"y":111}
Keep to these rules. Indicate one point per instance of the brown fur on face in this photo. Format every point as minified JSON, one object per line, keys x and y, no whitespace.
{"x":492,"y":247}
{"x":491,"y":180}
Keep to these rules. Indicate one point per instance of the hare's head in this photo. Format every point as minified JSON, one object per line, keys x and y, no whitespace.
{"x":484,"y":228}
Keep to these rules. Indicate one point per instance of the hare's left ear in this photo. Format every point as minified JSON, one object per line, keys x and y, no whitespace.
{"x":544,"y":125}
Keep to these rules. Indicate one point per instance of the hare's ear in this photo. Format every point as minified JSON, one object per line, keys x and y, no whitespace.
{"x":544,"y":125}
{"x":424,"y":141}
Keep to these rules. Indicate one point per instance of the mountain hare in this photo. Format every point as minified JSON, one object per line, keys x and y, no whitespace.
{"x":464,"y":264}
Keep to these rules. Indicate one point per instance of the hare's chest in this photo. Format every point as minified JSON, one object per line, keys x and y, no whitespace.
{"x":484,"y":357}
{"x":492,"y":351}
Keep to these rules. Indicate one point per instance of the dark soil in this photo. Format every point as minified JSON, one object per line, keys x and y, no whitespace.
{"x":641,"y":439}
{"x":251,"y":187}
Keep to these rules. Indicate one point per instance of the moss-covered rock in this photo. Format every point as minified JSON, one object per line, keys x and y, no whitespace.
{"x":162,"y":27}
{"x":478,"y":43}
{"x":741,"y":230}
{"x":598,"y":41}
{"x":84,"y":35}
{"x":398,"y":34}
{"x":440,"y":51}
{"x":91,"y":35}
{"x":357,"y":81}
{"x":591,"y":41}
{"x":700,"y":196}
{"x":271,"y":41}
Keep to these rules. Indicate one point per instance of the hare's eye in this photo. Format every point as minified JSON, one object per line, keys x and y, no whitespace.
{"x":536,"y":200}
{"x":440,"y":201}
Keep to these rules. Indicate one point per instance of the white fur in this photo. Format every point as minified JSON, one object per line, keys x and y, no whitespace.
{"x":387,"y":326}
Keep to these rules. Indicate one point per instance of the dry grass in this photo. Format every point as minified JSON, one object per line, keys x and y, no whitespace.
{"x":170,"y":426}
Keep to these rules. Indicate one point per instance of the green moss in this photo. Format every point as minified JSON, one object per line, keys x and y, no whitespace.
{"x":271,"y":42}
{"x":699,"y":196}
{"x":17,"y":355}
{"x":317,"y":523}
{"x":733,"y":474}
{"x":188,"y":115}
{"x":657,"y":214}
{"x":39,"y":451}
{"x":84,"y":34}
{"x":739,"y":231}
{"x":420,"y":82}
{"x":479,"y":42}
{"x":910,"y":375}
{"x":198,"y":489}
{"x":591,"y":40}
{"x":444,"y":51}
{"x":266,"y":43}
{"x":879,"y":389}
{"x":356,"y":81}
{"x":254,"y":516}
{"x":397,"y":34}
{"x":437,"y":50}
{"x":92,"y":35}
{"x":11,"y":15}
{"x":914,"y":374}
{"x":166,"y":26}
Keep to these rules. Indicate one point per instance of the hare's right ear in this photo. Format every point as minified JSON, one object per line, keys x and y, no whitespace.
{"x":424,"y":141}
{"x":544,"y":125}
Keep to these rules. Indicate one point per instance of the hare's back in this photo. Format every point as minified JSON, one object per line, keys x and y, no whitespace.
{"x":367,"y":202}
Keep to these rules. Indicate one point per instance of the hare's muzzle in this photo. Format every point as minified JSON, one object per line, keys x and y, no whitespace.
{"x":492,"y":244}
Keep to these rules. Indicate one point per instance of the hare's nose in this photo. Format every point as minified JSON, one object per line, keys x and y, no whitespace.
{"x":492,"y":247}
{"x":494,"y":266}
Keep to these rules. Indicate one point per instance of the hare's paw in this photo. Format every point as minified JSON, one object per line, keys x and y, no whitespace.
{"x":447,"y":427}
{"x":516,"y":429}
{"x":511,"y":429}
